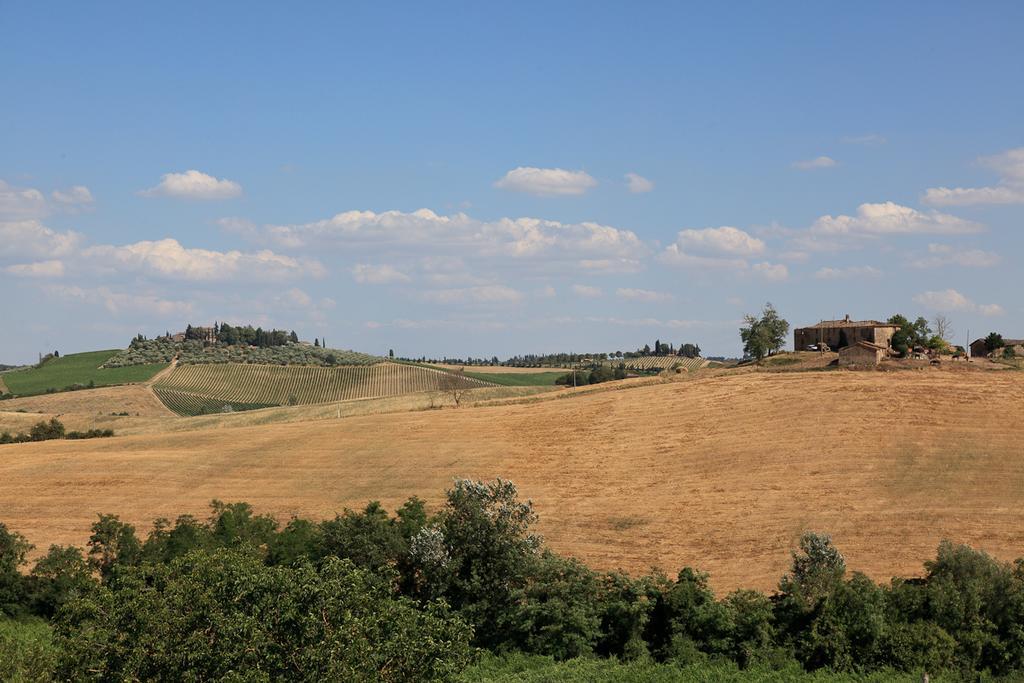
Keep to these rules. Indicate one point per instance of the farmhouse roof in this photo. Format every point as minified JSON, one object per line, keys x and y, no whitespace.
{"x":846,"y":322}
{"x":1006,"y":342}
{"x":868,"y":345}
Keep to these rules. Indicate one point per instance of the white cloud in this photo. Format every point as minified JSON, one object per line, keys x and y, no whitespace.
{"x":21,"y":203}
{"x":119,"y":302}
{"x":815,"y":163}
{"x":1009,"y":190}
{"x":637,"y":184}
{"x":611,"y":265}
{"x":724,"y":247}
{"x":867,"y":139}
{"x":32,"y":239}
{"x":775,"y":272}
{"x":952,"y":300}
{"x":832,"y":233}
{"x":545,"y":292}
{"x":723,"y":240}
{"x":52,"y":268}
{"x":940,"y":255}
{"x":586,"y":291}
{"x":194,"y":184}
{"x":848,"y":273}
{"x":493,"y":294}
{"x":365,"y":273}
{"x":75,"y":198}
{"x":167,"y":258}
{"x":425,"y":230}
{"x":642,"y":295}
{"x":546,"y":182}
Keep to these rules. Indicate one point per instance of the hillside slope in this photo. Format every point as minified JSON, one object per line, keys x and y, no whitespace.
{"x":195,"y":389}
{"x":722,"y":473}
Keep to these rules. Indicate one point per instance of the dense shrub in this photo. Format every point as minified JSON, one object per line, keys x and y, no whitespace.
{"x":54,"y":429}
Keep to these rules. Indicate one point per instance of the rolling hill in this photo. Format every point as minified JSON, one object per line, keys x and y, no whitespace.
{"x":717,"y":470}
{"x":76,"y":370}
{"x":201,"y":389}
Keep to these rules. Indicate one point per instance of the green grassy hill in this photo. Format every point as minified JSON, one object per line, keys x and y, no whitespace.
{"x":76,"y":370}
{"x":518,"y":379}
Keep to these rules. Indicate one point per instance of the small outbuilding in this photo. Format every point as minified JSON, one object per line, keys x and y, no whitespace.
{"x":862,"y":354}
{"x":980,"y":350}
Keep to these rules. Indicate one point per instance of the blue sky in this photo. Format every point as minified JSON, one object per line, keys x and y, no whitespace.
{"x":474,"y":179}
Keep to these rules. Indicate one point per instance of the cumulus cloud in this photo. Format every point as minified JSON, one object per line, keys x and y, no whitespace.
{"x":848,"y":273}
{"x":940,"y":255}
{"x":365,"y":273}
{"x":637,"y":184}
{"x":425,"y":230}
{"x":952,"y":300}
{"x":32,"y":239}
{"x":724,"y":240}
{"x":484,"y":294}
{"x":873,"y":221}
{"x":546,"y":182}
{"x":725,"y":247}
{"x":75,"y":198}
{"x":194,"y":184}
{"x":52,"y":268}
{"x":889,"y":218}
{"x":1009,"y":190}
{"x":168,"y":258}
{"x":642,"y":295}
{"x":586,"y":291}
{"x":815,"y":163}
{"x":21,"y":203}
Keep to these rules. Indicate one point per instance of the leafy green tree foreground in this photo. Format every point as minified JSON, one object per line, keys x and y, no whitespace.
{"x":471,"y":593}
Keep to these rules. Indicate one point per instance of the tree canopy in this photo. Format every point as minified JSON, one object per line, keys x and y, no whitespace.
{"x":764,"y":335}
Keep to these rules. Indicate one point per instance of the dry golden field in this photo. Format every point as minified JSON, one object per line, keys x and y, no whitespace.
{"x":721,"y":470}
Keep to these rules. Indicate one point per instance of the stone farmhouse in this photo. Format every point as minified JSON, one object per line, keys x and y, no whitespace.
{"x":839,"y":334}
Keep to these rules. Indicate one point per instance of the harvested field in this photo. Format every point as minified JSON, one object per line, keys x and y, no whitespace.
{"x":720,"y":472}
{"x":134,"y":399}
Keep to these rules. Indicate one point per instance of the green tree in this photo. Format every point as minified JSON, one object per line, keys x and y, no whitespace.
{"x":13,"y":549}
{"x":224,"y":615}
{"x":909,"y":334}
{"x":765,"y":335}
{"x":557,"y":612}
{"x":478,"y":554}
{"x":61,"y":575}
{"x":112,"y":543}
{"x":994,"y":341}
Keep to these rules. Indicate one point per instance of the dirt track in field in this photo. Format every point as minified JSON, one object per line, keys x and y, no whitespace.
{"x":722,"y":472}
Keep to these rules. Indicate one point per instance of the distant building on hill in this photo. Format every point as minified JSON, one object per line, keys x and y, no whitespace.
{"x":862,"y":354}
{"x":980,"y":350}
{"x":839,"y":334}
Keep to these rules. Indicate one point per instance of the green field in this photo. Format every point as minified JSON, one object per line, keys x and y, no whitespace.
{"x":76,"y":369}
{"x":519,"y":379}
